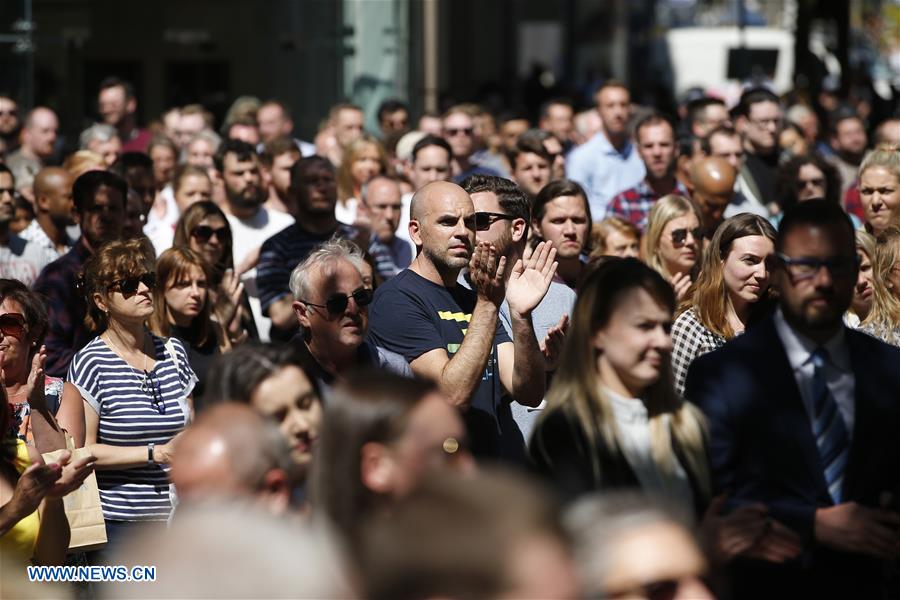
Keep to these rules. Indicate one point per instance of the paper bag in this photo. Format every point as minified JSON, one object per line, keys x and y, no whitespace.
{"x":88,"y":529}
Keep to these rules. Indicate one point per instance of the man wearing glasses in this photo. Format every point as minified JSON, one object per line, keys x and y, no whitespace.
{"x":453,"y":335}
{"x":759,"y":121}
{"x":459,"y":131}
{"x":502,"y":218}
{"x":331,"y":304}
{"x":803,"y":419}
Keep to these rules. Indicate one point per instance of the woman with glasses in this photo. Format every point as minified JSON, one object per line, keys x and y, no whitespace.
{"x":204,"y":229}
{"x":733,"y":280}
{"x":181,"y":309}
{"x":673,"y":242}
{"x":883,"y":320}
{"x":128,"y":392}
{"x":23,"y":323}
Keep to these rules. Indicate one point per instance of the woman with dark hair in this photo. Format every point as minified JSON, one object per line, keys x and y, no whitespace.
{"x":277,"y":382}
{"x":803,"y":178}
{"x":561,"y":215}
{"x":128,"y":392}
{"x":613,"y":418}
{"x":204,"y":229}
{"x":381,"y":434}
{"x":733,"y":280}
{"x":23,"y":324}
{"x":181,"y":308}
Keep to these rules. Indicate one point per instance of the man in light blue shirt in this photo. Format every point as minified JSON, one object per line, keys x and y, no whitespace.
{"x":608,"y":163}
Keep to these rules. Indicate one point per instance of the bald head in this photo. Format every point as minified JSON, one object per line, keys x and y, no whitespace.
{"x":230,"y":451}
{"x":442,"y":224}
{"x":50,"y":179}
{"x":53,"y":197}
{"x":713,"y":178}
{"x":39,"y":135}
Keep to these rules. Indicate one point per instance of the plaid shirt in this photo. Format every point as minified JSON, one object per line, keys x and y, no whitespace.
{"x":634,"y":204}
{"x":690,"y":339}
{"x":66,"y":308}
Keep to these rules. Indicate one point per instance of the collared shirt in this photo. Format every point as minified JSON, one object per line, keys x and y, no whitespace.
{"x":35,"y":234}
{"x":66,"y":308}
{"x":604,"y":171}
{"x":690,"y":340}
{"x":838,"y":370}
{"x":634,"y":204}
{"x":390,"y":258}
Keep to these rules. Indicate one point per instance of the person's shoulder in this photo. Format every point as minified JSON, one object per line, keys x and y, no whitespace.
{"x":392,"y":361}
{"x":93,"y":351}
{"x":279,"y":219}
{"x":864,"y":342}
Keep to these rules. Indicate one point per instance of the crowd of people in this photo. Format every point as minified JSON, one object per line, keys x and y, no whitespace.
{"x":604,"y":353}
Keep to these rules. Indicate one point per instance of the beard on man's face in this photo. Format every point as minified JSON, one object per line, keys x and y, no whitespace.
{"x":250,"y":197}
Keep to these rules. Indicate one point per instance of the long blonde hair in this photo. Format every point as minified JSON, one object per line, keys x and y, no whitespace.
{"x":345,"y":185}
{"x":666,"y":208}
{"x":577,"y":388}
{"x":710,"y":299}
{"x":886,"y":305}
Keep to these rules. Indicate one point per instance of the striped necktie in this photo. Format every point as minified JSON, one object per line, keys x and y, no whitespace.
{"x":829,"y":428}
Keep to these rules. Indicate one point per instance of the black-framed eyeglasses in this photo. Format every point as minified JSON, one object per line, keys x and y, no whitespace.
{"x":336,"y":304}
{"x":679,"y":236}
{"x":151,"y":388}
{"x":203,"y":233}
{"x":128,"y":286}
{"x":807,"y":267}
{"x":13,"y":325}
{"x":484,"y":219}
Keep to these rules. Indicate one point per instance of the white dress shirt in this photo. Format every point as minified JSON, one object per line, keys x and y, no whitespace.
{"x":838,"y":370}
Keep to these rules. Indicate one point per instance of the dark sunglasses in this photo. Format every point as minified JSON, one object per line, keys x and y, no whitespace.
{"x":336,"y":304}
{"x":679,"y":236}
{"x":203,"y":233}
{"x":484,"y":220}
{"x":128,"y":286}
{"x":464,"y":130}
{"x":13,"y":325}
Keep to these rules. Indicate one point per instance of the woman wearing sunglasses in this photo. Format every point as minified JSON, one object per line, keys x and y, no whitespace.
{"x":128,"y":392}
{"x":23,"y":323}
{"x":733,"y":281}
{"x":674,"y":241}
{"x":181,"y":309}
{"x":204,"y":229}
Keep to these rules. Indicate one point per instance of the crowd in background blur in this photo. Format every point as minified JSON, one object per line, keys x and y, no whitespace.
{"x":597,"y":351}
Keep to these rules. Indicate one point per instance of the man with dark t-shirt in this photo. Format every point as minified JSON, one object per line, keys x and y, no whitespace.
{"x":452,"y":334}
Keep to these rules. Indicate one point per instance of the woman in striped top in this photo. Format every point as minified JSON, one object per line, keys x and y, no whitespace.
{"x":128,"y":392}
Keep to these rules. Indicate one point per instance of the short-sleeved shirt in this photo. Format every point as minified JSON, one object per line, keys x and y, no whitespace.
{"x":411,"y":316}
{"x":21,"y":260}
{"x":135,"y":409}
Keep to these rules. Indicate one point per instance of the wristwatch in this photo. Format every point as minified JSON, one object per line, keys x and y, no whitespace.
{"x":150,"y":461}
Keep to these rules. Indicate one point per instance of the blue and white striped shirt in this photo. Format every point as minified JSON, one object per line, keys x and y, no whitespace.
{"x":135,"y":410}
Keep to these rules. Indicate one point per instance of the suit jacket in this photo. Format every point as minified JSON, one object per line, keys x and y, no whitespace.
{"x":762,"y":449}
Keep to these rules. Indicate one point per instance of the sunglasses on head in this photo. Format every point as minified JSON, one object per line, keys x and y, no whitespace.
{"x":12,"y":324}
{"x":336,"y":304}
{"x":128,"y":286}
{"x":203,"y":233}
{"x":679,"y":236}
{"x":484,"y":220}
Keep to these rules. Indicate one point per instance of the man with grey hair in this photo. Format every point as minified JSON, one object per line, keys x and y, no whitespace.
{"x":331,"y":305}
{"x":103,"y":140}
{"x":382,"y":207}
{"x":231,"y":453}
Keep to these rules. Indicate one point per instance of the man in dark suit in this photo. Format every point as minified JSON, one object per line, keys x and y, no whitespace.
{"x":804,"y":417}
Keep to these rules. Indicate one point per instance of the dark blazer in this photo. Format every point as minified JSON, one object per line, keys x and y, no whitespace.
{"x":762,"y":450}
{"x":562,"y":456}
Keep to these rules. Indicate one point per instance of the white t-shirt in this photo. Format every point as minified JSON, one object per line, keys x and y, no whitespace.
{"x":247,"y":235}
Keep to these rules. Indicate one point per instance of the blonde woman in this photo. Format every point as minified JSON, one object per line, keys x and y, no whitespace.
{"x":879,"y":188}
{"x":674,"y":240}
{"x":614,"y":421}
{"x":864,"y":292}
{"x":883,"y":321}
{"x":614,"y":236}
{"x":363,"y":159}
{"x":732,"y":282}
